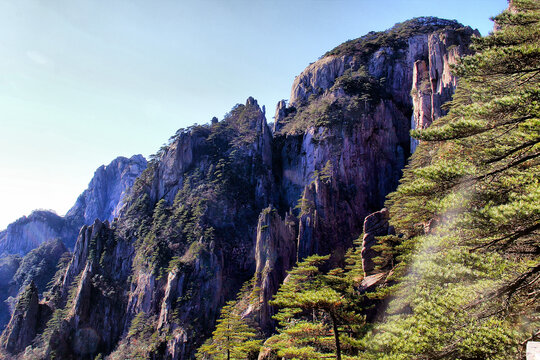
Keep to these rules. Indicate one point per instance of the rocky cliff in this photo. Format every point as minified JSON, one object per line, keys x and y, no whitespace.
{"x":344,"y":137}
{"x":229,"y":201}
{"x":30,"y":231}
{"x":43,"y":236}
{"x":102,"y":200}
{"x":22,"y":328}
{"x":37,"y":267}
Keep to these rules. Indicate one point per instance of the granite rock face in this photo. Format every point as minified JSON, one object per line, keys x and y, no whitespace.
{"x":22,"y":327}
{"x":16,"y":273}
{"x":275,"y":254}
{"x":104,"y":197}
{"x":8,"y":268}
{"x":363,"y":95}
{"x":102,"y":200}
{"x":92,"y":291}
{"x":338,"y":171}
{"x":375,"y":224}
{"x":433,"y":81}
{"x":29,"y":232}
{"x":43,"y":236}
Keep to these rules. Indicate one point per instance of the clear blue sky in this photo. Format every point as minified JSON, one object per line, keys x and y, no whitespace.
{"x":84,"y":81}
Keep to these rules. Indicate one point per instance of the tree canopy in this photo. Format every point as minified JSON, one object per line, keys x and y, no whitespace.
{"x":469,"y":207}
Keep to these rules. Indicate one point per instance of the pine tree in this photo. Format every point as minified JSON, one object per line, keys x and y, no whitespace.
{"x":486,"y":150}
{"x":232,"y":339}
{"x":469,"y":209}
{"x":318,"y":315}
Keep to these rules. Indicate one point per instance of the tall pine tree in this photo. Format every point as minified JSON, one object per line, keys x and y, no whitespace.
{"x":319,"y":313}
{"x":469,"y":207}
{"x":233,"y":338}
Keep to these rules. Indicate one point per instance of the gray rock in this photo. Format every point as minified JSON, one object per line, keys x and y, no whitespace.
{"x":22,"y":327}
{"x":102,"y":200}
{"x":275,"y":254}
{"x":110,"y":184}
{"x":29,"y":232}
{"x":375,"y":224}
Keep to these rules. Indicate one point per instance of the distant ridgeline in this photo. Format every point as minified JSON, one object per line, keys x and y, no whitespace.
{"x":102,"y":200}
{"x":195,"y":262}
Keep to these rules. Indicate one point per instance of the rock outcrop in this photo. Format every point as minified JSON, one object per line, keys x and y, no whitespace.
{"x":104,"y":197}
{"x":375,"y":224}
{"x":29,"y":232}
{"x":344,"y":137}
{"x":351,"y":110}
{"x":275,"y":254}
{"x":227,"y":178}
{"x":42,"y":237}
{"x":8,"y":268}
{"x":433,"y":80}
{"x":90,"y":297}
{"x":37,"y":267}
{"x":22,"y":327}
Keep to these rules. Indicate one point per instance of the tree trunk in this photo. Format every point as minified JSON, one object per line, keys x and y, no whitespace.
{"x":336,"y":336}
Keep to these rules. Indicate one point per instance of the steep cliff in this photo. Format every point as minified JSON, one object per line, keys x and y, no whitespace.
{"x":344,"y":138}
{"x":8,"y":268}
{"x":30,"y":231}
{"x":433,"y":82}
{"x":42,"y":237}
{"x":25,"y":323}
{"x":227,"y":202}
{"x":275,"y":253}
{"x":195,"y":211}
{"x":102,"y":200}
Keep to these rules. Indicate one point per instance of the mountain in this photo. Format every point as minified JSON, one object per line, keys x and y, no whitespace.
{"x":102,"y":200}
{"x":38,"y":267}
{"x":232,"y":203}
{"x":28,"y":232}
{"x":32,"y":246}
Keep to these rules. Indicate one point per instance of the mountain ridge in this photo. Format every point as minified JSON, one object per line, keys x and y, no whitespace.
{"x":230,"y":201}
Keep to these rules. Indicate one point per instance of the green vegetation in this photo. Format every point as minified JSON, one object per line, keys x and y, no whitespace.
{"x":174,"y":235}
{"x":142,"y":341}
{"x":360,"y":83}
{"x":395,"y":38}
{"x":233,"y":338}
{"x":40,"y":265}
{"x":26,"y":296}
{"x":59,"y":315}
{"x":319,"y":313}
{"x":328,"y":112}
{"x":465,"y":265}
{"x":469,"y":207}
{"x":356,"y":92}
